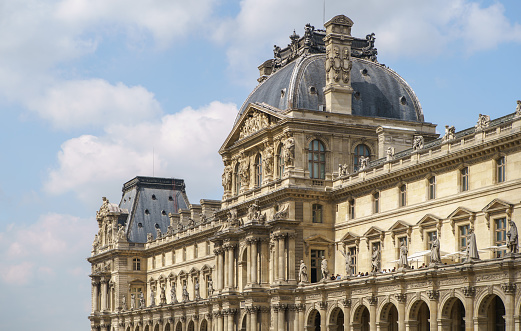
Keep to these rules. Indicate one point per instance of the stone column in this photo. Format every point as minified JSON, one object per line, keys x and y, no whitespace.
{"x":301,"y":316}
{"x":373,"y":301}
{"x":104,"y":294}
{"x":346,"y":303}
{"x":219,"y":268}
{"x":282,"y":258}
{"x":402,"y":299}
{"x":95,"y":291}
{"x":231,"y":313}
{"x":253,"y":319}
{"x":433,"y":309}
{"x":219,"y":320}
{"x":249,"y":269}
{"x":275,"y":319}
{"x":291,"y":254}
{"x":281,"y":319}
{"x":469,"y":292}
{"x":230,"y":267}
{"x":263,"y":261}
{"x":276,"y":260}
{"x":510,"y":290}
{"x":323,"y":313}
{"x":253,"y":258}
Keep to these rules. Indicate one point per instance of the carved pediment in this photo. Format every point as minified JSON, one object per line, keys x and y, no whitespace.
{"x":206,"y":269}
{"x":318,"y":239}
{"x":136,"y":282}
{"x":255,"y":119}
{"x":374,"y":232}
{"x":497,"y":206}
{"x":400,"y":227}
{"x":461,"y":213}
{"x":182,"y":274}
{"x":429,"y":221}
{"x":349,"y":237}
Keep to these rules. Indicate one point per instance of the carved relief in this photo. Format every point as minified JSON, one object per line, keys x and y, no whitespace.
{"x":256,"y":122}
{"x":267,"y":159}
{"x":483,"y":122}
{"x":417,"y":143}
{"x":227,"y":178}
{"x":338,"y":64}
{"x":288,"y":150}
{"x":244,"y":173}
{"x":518,"y":108}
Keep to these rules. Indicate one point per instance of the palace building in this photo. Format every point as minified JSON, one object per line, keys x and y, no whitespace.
{"x":342,"y":210}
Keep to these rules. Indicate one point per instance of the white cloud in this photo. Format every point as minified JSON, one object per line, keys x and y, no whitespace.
{"x":71,"y":104}
{"x":43,"y":248}
{"x":408,"y":28}
{"x":185,"y":145}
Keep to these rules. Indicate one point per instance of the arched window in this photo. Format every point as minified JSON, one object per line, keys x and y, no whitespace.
{"x":317,"y":160}
{"x":258,"y":170}
{"x":360,"y":150}
{"x":237,"y":180}
{"x":280,"y":170}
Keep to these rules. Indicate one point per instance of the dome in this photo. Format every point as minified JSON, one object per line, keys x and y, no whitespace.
{"x":377,"y":90}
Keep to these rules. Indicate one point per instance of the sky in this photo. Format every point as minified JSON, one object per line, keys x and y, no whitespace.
{"x":96,"y":92}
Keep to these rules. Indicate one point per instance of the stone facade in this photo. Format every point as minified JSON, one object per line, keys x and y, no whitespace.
{"x":418,"y":231}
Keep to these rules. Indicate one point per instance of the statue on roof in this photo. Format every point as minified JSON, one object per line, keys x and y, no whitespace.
{"x":173,"y":297}
{"x":303,"y":272}
{"x":343,"y":170}
{"x":375,"y":260}
{"x":483,"y":122}
{"x":471,"y":253}
{"x":150,"y":237}
{"x":417,"y":143}
{"x":403,"y":262}
{"x":132,"y":301}
{"x":389,"y":153}
{"x":518,"y":108}
{"x":227,"y":177}
{"x":364,"y":161}
{"x":324,"y":269}
{"x":449,"y":132}
{"x":162,"y":296}
{"x":512,"y":238}
{"x":347,"y":262}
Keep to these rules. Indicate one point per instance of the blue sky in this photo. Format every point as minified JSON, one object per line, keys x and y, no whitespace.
{"x":93,"y":92}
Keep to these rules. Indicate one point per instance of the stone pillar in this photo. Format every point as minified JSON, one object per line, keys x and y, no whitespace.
{"x":275,"y":319}
{"x":220,"y":321}
{"x":282,"y":258}
{"x":323,"y":313}
{"x":346,"y":303}
{"x":373,"y":301}
{"x":402,"y":299}
{"x":291,"y":254}
{"x":219,"y":268}
{"x":249,"y":269}
{"x":230,"y":267}
{"x":510,"y":290}
{"x":95,"y":291}
{"x":248,"y":320}
{"x":104,"y":294}
{"x":276,"y":260}
{"x":254,"y":269}
{"x":253,"y":319}
{"x":263,"y":261}
{"x":282,"y":319}
{"x":469,"y":292}
{"x":230,"y":315}
{"x":434,"y":295}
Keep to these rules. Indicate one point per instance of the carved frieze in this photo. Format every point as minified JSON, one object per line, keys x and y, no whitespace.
{"x":254,"y":123}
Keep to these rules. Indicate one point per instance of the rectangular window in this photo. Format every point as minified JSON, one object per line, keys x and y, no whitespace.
{"x":316,"y":260}
{"x":317,"y":213}
{"x":464,"y":175}
{"x":173,"y":256}
{"x":136,"y":264}
{"x":500,"y":226}
{"x":403,"y":195}
{"x":376,"y":202}
{"x":463,"y":232}
{"x":207,"y":248}
{"x":432,"y":188}
{"x":500,"y":164}
{"x":196,"y":251}
{"x":352,"y":209}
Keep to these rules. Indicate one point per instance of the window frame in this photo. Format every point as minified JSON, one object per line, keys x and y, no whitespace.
{"x":504,"y":233}
{"x":280,"y":160}
{"x":351,"y":209}
{"x":376,"y":202}
{"x":402,"y":196}
{"x":317,"y":159}
{"x":500,"y":163}
{"x":464,"y":179}
{"x":431,"y":188}
{"x":317,"y":213}
{"x":136,"y":264}
{"x":356,"y":155}
{"x":258,"y":170}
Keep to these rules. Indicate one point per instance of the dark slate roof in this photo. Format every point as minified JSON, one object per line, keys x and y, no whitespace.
{"x":378,"y":90}
{"x":149,"y":200}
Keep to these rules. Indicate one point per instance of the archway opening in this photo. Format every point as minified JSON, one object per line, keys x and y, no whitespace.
{"x":313,"y":321}
{"x":204,"y":326}
{"x":389,"y":318}
{"x":457,"y":316}
{"x":156,"y":328}
{"x":423,"y":317}
{"x":364,"y":319}
{"x":191,"y":326}
{"x":492,"y":312}
{"x":179,"y":327}
{"x":244,"y":268}
{"x":336,"y":320}
{"x":167,"y":327}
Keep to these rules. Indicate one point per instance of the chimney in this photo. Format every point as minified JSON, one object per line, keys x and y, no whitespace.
{"x":338,"y":91}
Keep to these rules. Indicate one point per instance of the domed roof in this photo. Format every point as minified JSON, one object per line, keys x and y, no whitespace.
{"x":377,"y":90}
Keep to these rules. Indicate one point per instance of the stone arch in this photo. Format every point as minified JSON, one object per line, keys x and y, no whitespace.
{"x":137,"y":328}
{"x":480,"y":299}
{"x":383,"y":305}
{"x":419,"y":314}
{"x":336,"y":319}
{"x":191,"y":326}
{"x":179,"y":326}
{"x":156,"y":328}
{"x":167,"y":327}
{"x":447,"y":302}
{"x":313,"y":320}
{"x":128,"y":328}
{"x":452,"y":313}
{"x":491,"y":312}
{"x":204,"y":325}
{"x":360,"y":318}
{"x":388,"y":316}
{"x":147,"y":328}
{"x":322,"y":139}
{"x":244,"y":323}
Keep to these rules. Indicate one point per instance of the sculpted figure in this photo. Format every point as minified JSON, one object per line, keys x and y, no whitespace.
{"x":363,"y":162}
{"x":121,"y":233}
{"x":483,"y":122}
{"x":162,"y":296}
{"x":518,"y":108}
{"x":244,"y":174}
{"x":512,"y":238}
{"x":158,"y":233}
{"x":210,"y":287}
{"x":449,"y":132}
{"x":375,"y":260}
{"x":267,"y":159}
{"x":403,"y":263}
{"x":288,"y":150}
{"x":132,"y":301}
{"x":150,"y":237}
{"x":472,"y":248}
{"x":347,"y":261}
{"x":173,"y":297}
{"x":417,"y":143}
{"x":323,"y":267}
{"x":124,"y":302}
{"x":227,"y":177}
{"x":197,"y":295}
{"x":390,"y":153}
{"x":303,"y":272}
{"x":141,"y":300}
{"x":152,"y":298}
{"x":186,"y":296}
{"x":435,"y":250}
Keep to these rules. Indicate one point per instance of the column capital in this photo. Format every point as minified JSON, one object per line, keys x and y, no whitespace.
{"x":469,"y":291}
{"x":346,"y":303}
{"x":323,"y":304}
{"x":373,"y":300}
{"x":433,"y":295}
{"x":508,"y":288}
{"x":401,"y":297}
